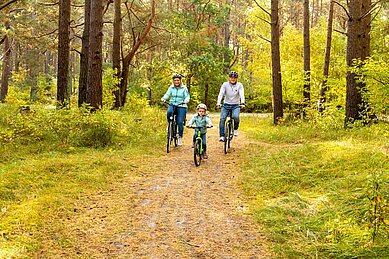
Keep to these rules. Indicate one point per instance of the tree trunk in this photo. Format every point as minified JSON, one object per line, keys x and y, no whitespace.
{"x":358,"y":47}
{"x":6,"y":67}
{"x":84,"y":57}
{"x":324,"y":87}
{"x":117,"y":25}
{"x":128,"y":58}
{"x":63,"y":53}
{"x":276,"y":64}
{"x":307,"y":57}
{"x":227,"y":58}
{"x":206,"y":94}
{"x":95,"y":71}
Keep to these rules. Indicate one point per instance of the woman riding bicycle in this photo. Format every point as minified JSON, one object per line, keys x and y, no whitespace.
{"x":233,"y":94}
{"x":201,"y":119}
{"x":179,"y":97}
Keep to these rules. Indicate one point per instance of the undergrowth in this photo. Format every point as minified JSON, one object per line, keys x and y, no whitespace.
{"x":50,"y":159}
{"x":319,"y":191}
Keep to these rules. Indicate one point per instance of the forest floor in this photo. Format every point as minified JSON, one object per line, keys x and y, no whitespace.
{"x":170,"y":209}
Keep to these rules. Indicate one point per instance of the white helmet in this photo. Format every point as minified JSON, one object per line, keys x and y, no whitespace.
{"x":201,"y":106}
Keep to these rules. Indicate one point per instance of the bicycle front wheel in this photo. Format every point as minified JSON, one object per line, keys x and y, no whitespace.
{"x":227,"y":132}
{"x":196,"y":153}
{"x":169,"y":137}
{"x":175,"y":138}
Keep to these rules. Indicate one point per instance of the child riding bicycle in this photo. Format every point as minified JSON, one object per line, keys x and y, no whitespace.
{"x":201,"y":119}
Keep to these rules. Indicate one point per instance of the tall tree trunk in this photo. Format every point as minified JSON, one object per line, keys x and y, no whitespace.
{"x":16,"y":56}
{"x":227,"y":58}
{"x":278,"y":112}
{"x":117,"y":25}
{"x":358,"y":47}
{"x":84,"y":57}
{"x":95,"y":71}
{"x":63,"y":53}
{"x":206,"y":94}
{"x":324,"y":86}
{"x":128,"y":58}
{"x":6,"y":67}
{"x":149,"y":71}
{"x":307,"y":57}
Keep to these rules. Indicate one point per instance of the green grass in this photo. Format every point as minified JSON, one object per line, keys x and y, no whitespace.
{"x":309,"y":188}
{"x":44,"y":174}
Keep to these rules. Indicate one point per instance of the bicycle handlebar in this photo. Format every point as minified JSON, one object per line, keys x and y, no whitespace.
{"x":199,"y":127}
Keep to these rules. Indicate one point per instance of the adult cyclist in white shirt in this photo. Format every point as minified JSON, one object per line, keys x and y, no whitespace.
{"x":233,"y":93}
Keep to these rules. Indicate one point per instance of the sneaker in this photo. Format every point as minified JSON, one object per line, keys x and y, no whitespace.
{"x":193,"y":144}
{"x":235,"y":133}
{"x":179,"y":141}
{"x":205,"y":156}
{"x":221,"y":139}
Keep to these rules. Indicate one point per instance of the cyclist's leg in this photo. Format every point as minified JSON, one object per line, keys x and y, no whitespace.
{"x":235,"y":116}
{"x":194,"y":138}
{"x":169,"y":112}
{"x":181,"y":114}
{"x":204,"y":140}
{"x":223,"y":116}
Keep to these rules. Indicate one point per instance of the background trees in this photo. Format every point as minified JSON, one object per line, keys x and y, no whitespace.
{"x":143,"y":43}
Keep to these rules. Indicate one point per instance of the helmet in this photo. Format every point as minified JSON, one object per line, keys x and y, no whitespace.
{"x":177,"y":76}
{"x":201,"y":106}
{"x":233,"y":74}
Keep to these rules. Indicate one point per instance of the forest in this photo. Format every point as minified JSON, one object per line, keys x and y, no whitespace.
{"x":140,"y":44}
{"x":84,"y":78}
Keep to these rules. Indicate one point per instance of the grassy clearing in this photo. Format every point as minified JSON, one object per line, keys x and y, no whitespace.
{"x":50,"y":161}
{"x":319,"y":193}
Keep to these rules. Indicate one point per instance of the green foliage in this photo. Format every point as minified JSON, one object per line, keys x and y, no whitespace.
{"x":376,"y":215}
{"x":319,"y":192}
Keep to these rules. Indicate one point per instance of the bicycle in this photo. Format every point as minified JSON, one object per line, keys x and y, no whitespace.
{"x":198,"y":150}
{"x":229,"y":130}
{"x":172,"y":129}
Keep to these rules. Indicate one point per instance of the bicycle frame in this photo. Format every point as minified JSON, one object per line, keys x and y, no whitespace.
{"x":198,"y":150}
{"x":229,"y":132}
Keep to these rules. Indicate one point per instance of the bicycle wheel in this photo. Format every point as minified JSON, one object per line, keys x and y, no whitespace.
{"x":196,"y":153}
{"x":175,"y":133}
{"x":227,"y":137}
{"x":231,"y":131}
{"x":169,"y":137}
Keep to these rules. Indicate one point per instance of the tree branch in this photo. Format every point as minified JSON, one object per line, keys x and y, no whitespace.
{"x":344,"y":8}
{"x":341,"y":32}
{"x":263,"y":9}
{"x":7,"y":4}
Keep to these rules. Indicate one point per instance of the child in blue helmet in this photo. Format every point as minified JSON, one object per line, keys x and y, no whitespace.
{"x":201,"y":119}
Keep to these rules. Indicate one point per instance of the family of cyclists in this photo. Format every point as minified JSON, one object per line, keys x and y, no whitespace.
{"x":178,"y":96}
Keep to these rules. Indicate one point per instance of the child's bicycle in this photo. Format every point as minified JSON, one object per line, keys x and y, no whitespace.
{"x":198,"y":151}
{"x":172,"y":129}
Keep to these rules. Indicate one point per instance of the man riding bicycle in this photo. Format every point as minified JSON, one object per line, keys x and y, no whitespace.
{"x":233,"y":93}
{"x":179,"y":97}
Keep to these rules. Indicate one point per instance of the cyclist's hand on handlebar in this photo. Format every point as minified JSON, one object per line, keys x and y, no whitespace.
{"x":242,"y":106}
{"x":218,"y":106}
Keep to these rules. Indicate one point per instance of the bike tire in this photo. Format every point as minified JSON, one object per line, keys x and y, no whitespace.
{"x":169,"y":137}
{"x":175,"y":138}
{"x":196,"y":153}
{"x":227,"y":137}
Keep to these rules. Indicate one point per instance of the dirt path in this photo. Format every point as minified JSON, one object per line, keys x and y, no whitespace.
{"x":174,"y":210}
